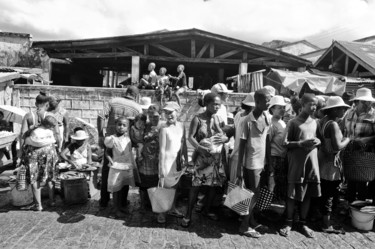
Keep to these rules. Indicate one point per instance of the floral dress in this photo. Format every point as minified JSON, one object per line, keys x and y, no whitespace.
{"x":149,"y":166}
{"x":41,"y":163}
{"x":214,"y":174}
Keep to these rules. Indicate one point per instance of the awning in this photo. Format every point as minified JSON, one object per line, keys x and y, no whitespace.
{"x":296,"y":80}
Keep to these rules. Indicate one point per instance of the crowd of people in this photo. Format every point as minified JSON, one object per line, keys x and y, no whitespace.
{"x":295,"y":154}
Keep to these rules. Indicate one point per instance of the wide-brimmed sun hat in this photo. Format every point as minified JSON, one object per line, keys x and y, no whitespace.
{"x":333,"y":102}
{"x":249,"y":100}
{"x":277,"y":100}
{"x":145,"y":102}
{"x":171,"y":106}
{"x":219,"y":88}
{"x":80,"y":135}
{"x":364,"y":94}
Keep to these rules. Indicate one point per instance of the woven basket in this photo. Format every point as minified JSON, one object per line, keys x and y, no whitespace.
{"x":359,"y":166}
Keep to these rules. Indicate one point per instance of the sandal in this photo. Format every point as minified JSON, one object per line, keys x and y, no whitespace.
{"x":185,"y":222}
{"x":211,"y":216}
{"x":261,"y":228}
{"x":333,"y":230}
{"x":285,"y":230}
{"x":251,"y":233}
{"x":37,"y":208}
{"x":28,"y":207}
{"x":175,"y":213}
{"x":305,"y":230}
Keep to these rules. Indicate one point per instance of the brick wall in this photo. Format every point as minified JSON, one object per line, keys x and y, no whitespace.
{"x":86,"y":102}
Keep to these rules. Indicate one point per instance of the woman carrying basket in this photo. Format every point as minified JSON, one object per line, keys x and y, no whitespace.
{"x":359,"y":126}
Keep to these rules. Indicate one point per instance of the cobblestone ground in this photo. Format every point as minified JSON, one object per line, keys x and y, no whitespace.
{"x":85,"y":226}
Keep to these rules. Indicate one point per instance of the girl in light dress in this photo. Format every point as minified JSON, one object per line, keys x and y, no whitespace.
{"x":121,"y":163}
{"x":172,"y":141}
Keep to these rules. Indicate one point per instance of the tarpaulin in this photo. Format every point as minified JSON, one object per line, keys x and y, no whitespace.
{"x":296,"y":80}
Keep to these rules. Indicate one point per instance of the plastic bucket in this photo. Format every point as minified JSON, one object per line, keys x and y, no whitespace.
{"x":361,"y":220}
{"x":75,"y":190}
{"x":20,"y":198}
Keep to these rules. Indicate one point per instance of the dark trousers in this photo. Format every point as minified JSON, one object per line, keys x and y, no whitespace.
{"x":330,"y":194}
{"x":104,"y":194}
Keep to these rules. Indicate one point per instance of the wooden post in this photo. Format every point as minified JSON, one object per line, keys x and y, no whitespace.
{"x":192,"y":48}
{"x":116,"y":80}
{"x":242,"y":68}
{"x":221,"y":75}
{"x":107,"y":79}
{"x":212,"y":50}
{"x":135,"y":68}
{"x":112,"y":78}
{"x":346,"y":64}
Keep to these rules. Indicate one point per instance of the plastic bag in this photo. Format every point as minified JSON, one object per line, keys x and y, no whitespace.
{"x":161,"y":198}
{"x":238,"y":198}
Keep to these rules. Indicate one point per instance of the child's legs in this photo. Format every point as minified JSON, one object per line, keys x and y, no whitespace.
{"x":37,"y":192}
{"x":211,"y":192}
{"x":329,"y":193}
{"x":252,"y":180}
{"x":51,"y":191}
{"x":124,"y":196}
{"x":193,"y":194}
{"x":177,"y":94}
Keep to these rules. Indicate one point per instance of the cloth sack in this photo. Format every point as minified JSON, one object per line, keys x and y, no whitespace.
{"x":264,"y":200}
{"x":161,"y":198}
{"x":238,"y":198}
{"x":21,"y":184}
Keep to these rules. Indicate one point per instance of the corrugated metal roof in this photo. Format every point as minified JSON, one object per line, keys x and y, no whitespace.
{"x":364,"y":53}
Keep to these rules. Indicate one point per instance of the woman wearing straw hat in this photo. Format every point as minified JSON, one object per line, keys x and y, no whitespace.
{"x":360,"y":127}
{"x":329,"y":159}
{"x":277,"y":167}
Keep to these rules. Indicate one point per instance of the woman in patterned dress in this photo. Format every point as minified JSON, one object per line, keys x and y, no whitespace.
{"x":213,"y":176}
{"x":40,"y":158}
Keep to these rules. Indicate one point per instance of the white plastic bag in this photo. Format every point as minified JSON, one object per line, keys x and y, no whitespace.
{"x":161,"y":198}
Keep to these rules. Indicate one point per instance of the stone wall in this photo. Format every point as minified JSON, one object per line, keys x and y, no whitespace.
{"x":86,"y":102}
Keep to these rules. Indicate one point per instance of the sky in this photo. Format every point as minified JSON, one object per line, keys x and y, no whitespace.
{"x":256,"y":21}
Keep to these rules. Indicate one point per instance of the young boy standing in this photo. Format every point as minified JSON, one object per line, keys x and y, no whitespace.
{"x":253,"y":148}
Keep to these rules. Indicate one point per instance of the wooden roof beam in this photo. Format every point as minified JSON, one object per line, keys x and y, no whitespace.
{"x":203,"y":49}
{"x":228,"y":54}
{"x":92,"y":55}
{"x":191,"y":60}
{"x":168,"y":50}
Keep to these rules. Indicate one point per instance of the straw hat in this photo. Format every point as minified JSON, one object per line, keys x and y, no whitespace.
{"x":334,"y":101}
{"x":363,"y":94}
{"x":277,"y":100}
{"x":80,"y":135}
{"x":271,"y":90}
{"x":249,"y":100}
{"x":145,"y":102}
{"x":171,"y":106}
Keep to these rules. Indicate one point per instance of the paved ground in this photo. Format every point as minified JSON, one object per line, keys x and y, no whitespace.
{"x":84,"y":226}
